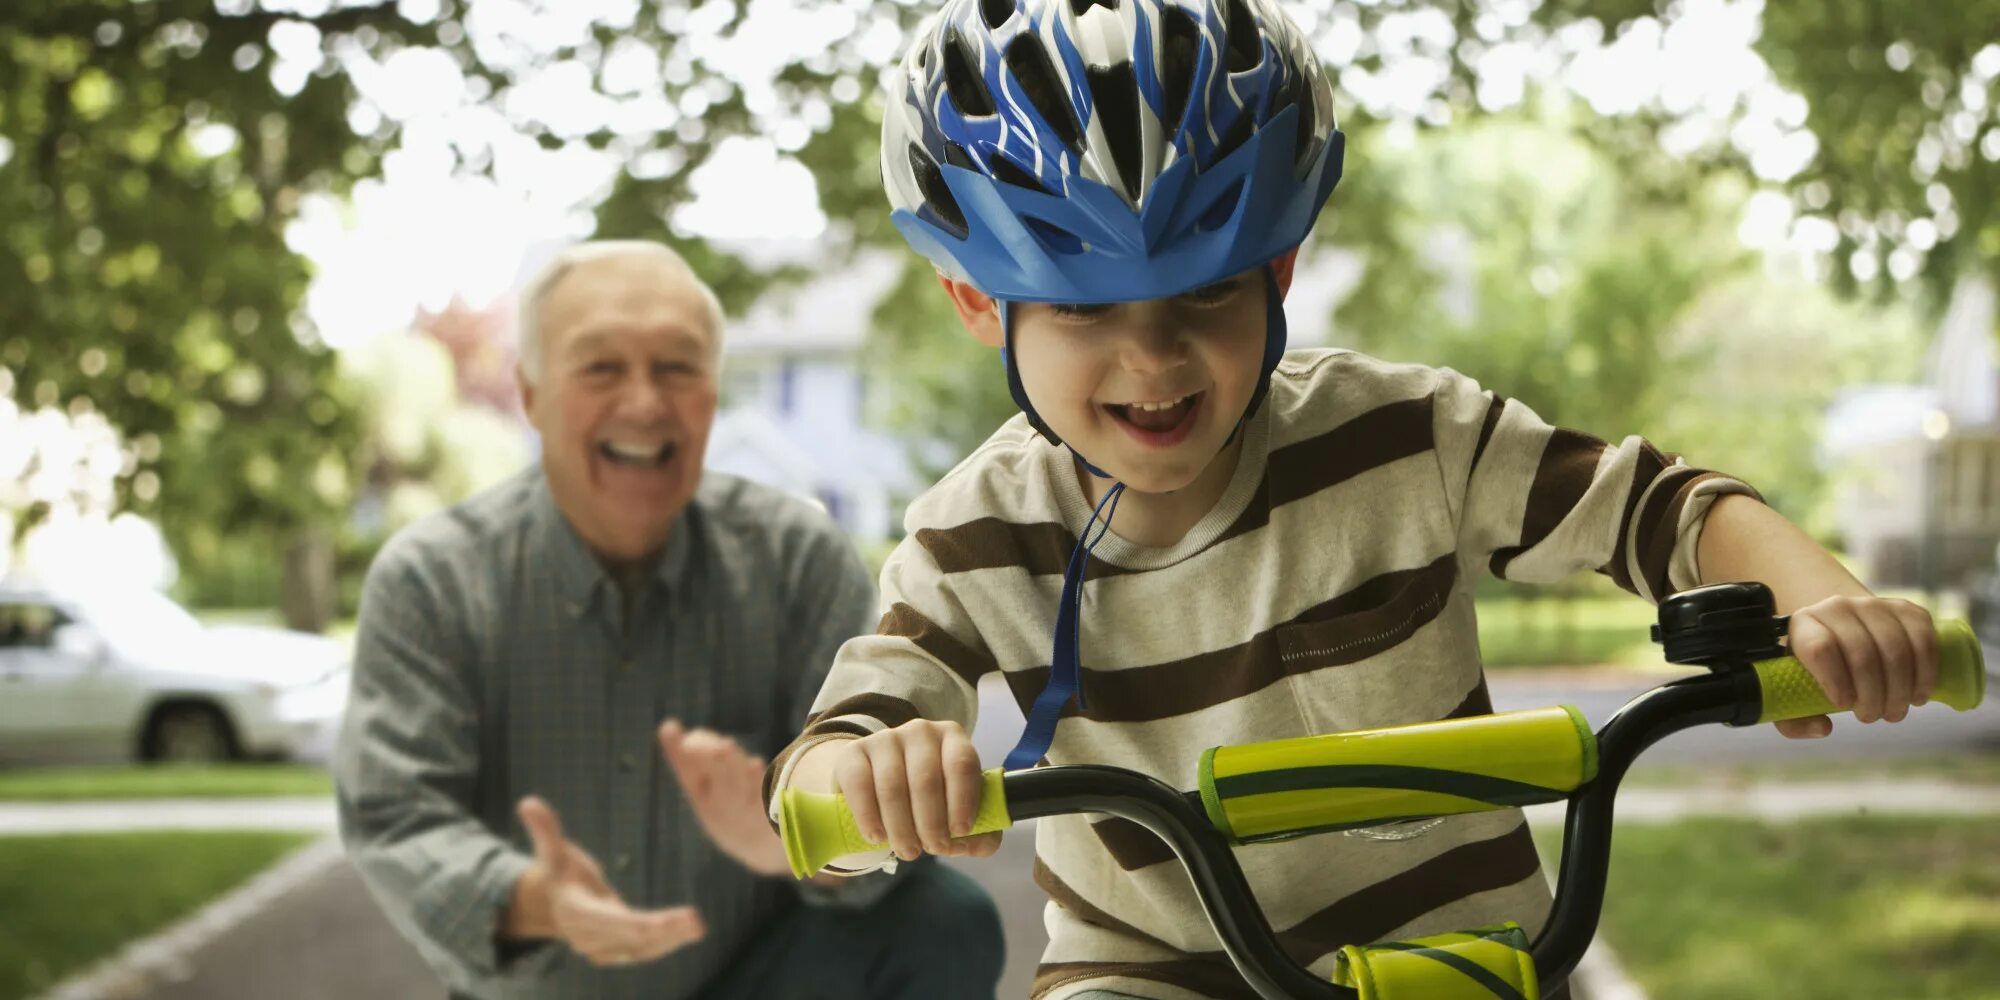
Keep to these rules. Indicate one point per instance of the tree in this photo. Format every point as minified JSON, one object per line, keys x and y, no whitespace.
{"x":146,"y":176}
{"x":1901,"y":98}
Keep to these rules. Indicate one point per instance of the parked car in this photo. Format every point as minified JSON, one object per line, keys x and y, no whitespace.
{"x":115,"y":673}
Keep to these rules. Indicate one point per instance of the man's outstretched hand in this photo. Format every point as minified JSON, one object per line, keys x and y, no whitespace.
{"x":563,"y":895}
{"x":725,"y":786}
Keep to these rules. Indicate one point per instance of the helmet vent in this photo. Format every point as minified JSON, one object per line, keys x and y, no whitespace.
{"x":1054,"y":237}
{"x":1114,"y":99}
{"x":1077,"y":7}
{"x":1030,"y":65}
{"x":1180,"y":46}
{"x":1006,"y":171}
{"x":1238,"y":134}
{"x":1302,"y":98}
{"x":961,"y":78}
{"x":937,"y":197}
{"x":1246,"y":45}
{"x":996,"y":12}
{"x":1221,"y":209}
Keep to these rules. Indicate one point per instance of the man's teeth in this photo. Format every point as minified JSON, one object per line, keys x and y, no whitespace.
{"x":636,"y":454}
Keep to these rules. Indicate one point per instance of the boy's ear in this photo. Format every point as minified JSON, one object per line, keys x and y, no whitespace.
{"x":1282,"y":267}
{"x":980,"y":314}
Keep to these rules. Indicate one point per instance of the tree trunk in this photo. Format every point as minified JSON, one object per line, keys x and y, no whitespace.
{"x":305,"y":596}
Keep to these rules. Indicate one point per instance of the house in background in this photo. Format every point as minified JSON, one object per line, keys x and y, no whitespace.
{"x":793,"y":389}
{"x":1918,"y":494}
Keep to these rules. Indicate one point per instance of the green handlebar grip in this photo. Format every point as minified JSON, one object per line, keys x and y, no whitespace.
{"x":818,"y":828}
{"x":1790,"y":692}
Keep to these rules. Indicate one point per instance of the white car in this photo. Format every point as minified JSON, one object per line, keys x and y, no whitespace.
{"x":122,"y":674}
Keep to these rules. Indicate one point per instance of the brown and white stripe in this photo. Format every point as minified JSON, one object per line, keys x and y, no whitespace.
{"x":1329,"y":589}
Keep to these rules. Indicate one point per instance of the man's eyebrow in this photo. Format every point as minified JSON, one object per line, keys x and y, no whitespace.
{"x":593,"y":337}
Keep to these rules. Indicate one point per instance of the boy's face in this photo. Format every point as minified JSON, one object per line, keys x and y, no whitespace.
{"x":1147,"y":391}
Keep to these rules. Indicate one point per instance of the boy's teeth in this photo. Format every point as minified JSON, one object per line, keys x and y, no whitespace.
{"x":1156,"y":407}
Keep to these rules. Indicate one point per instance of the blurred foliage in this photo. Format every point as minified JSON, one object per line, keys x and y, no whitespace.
{"x":151,"y":171}
{"x":1612,"y":301}
{"x":1902,"y":98}
{"x":152,"y":154}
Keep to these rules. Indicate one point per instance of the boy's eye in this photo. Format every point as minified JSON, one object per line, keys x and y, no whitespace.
{"x":1084,"y":311}
{"x":1211,"y":294}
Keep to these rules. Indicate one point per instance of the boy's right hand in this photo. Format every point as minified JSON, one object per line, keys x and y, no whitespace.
{"x":915,"y":787}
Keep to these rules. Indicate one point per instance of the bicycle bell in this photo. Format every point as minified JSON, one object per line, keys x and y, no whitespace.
{"x":1721,"y":626}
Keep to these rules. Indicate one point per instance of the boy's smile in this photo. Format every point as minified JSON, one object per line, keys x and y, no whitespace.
{"x":1159,"y":423}
{"x":1146,"y":391}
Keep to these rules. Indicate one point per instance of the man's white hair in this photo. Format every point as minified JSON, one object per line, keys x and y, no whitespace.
{"x":535,"y":296}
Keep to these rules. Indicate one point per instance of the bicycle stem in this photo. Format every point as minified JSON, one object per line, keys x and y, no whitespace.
{"x":1694,"y":701}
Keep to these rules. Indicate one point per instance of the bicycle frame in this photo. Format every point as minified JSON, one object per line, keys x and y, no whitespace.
{"x":819,"y":828}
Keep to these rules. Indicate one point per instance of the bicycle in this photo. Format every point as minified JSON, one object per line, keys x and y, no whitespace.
{"x":1259,"y":792}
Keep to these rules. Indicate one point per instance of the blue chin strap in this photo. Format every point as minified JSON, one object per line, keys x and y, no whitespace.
{"x":1066,"y":658}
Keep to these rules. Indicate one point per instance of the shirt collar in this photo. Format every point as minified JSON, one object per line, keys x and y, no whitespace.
{"x":580,"y":578}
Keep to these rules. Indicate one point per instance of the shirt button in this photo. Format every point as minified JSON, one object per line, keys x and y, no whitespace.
{"x":624,"y":861}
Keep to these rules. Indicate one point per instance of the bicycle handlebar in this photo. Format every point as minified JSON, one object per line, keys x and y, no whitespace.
{"x":1549,"y":755}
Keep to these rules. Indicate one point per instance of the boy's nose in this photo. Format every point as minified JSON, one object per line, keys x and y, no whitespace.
{"x":1153,"y":345}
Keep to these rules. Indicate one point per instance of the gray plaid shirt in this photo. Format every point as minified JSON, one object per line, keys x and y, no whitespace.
{"x":495,"y":659}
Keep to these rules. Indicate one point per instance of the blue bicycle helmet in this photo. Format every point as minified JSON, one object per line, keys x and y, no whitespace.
{"x":1094,"y":151}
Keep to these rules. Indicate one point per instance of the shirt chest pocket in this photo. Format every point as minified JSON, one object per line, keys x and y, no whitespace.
{"x":1369,"y":660}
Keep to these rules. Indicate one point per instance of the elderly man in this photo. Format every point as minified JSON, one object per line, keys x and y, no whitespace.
{"x":519,"y":655}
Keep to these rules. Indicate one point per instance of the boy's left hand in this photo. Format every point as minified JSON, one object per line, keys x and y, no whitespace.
{"x":1875,"y":655}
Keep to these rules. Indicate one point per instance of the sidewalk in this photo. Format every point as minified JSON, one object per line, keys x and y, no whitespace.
{"x":312,"y":814}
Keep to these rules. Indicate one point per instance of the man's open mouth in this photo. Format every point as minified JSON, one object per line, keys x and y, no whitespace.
{"x":636,"y":456}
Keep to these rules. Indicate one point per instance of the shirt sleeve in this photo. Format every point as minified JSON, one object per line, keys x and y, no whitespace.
{"x":832,"y":601}
{"x":1536,"y":503}
{"x":923,"y":661}
{"x":405,"y":769}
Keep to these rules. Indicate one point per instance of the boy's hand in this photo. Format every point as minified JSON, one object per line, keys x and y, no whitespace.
{"x":915,"y":787}
{"x":1876,"y":655}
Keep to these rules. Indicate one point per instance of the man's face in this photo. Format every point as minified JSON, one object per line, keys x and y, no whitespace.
{"x":1147,"y":391}
{"x":625,"y":400}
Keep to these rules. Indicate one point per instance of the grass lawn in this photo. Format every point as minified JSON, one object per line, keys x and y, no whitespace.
{"x":162,"y":781}
{"x":1583,"y":630}
{"x":1891,"y":908}
{"x":68,"y":901}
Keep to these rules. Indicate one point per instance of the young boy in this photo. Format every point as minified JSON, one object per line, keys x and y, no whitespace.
{"x":1113,"y":192}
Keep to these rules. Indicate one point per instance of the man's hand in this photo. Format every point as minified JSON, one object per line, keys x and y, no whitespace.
{"x":725,"y":786}
{"x":563,"y":895}
{"x":1878,"y":656}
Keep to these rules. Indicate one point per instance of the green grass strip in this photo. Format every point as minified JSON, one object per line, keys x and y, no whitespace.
{"x":68,"y":784}
{"x":67,"y":902}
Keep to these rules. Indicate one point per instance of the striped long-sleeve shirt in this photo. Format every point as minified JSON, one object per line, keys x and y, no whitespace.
{"x":1329,"y":589}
